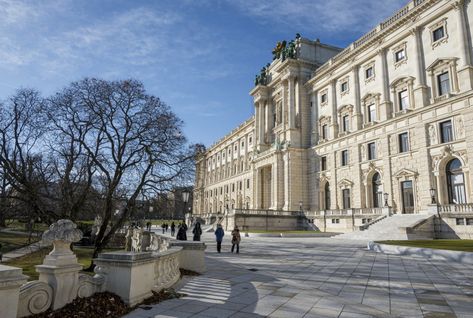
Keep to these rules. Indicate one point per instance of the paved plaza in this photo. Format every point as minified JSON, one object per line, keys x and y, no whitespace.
{"x":318,"y":277}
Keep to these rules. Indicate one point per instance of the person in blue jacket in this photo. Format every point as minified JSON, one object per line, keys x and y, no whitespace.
{"x":219,"y":233}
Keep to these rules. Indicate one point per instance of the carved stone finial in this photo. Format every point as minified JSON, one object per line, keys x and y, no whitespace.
{"x":62,"y":230}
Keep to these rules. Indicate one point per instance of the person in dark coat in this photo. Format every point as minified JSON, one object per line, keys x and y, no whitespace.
{"x":197,"y":232}
{"x":219,"y":233}
{"x":173,"y":228}
{"x":236,"y":238}
{"x":181,"y":234}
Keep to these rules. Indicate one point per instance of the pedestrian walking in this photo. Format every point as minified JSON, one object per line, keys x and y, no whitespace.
{"x":181,"y":233}
{"x":236,"y":238}
{"x":219,"y":233}
{"x":197,"y":231}
{"x":163,"y":227}
{"x":173,"y":228}
{"x":166,"y":227}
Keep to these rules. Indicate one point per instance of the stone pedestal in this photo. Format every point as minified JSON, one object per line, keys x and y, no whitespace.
{"x":63,"y":279}
{"x":11,"y":278}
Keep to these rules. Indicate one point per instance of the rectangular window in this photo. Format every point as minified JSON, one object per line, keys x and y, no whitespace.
{"x":371,"y":151}
{"x":438,"y":34}
{"x":403,"y":142}
{"x":403,"y":100}
{"x":371,"y":113}
{"x":250,"y":140}
{"x":443,"y":82}
{"x":323,"y":163}
{"x":346,"y":198}
{"x":460,"y":221}
{"x":344,"y":87}
{"x":323,"y":98}
{"x":344,"y":157}
{"x":233,"y":187}
{"x":469,"y":221}
{"x":346,"y":123}
{"x":325,"y":131}
{"x":335,"y":221}
{"x":400,"y":55}
{"x":446,"y":131}
{"x":369,"y":72}
{"x":248,"y":183}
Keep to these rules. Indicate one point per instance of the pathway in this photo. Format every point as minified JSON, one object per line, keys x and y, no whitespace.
{"x":319,"y":277}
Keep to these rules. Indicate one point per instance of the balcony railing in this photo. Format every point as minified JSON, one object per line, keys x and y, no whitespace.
{"x":456,"y":208}
{"x":262,"y":212}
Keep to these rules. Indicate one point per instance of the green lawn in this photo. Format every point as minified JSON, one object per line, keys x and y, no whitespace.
{"x":279,"y":231}
{"x":28,"y":262}
{"x":12,"y":241}
{"x":453,"y":245}
{"x":21,"y":226}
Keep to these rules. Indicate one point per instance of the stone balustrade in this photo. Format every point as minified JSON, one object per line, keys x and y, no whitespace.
{"x":152,"y":265}
{"x":456,"y":208}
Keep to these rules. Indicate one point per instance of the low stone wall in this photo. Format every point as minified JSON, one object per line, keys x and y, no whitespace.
{"x":429,"y":253}
{"x":134,"y":275}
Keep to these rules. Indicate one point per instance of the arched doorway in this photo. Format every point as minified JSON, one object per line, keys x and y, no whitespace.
{"x":377,"y":188}
{"x":327,"y":196}
{"x":455,"y":182}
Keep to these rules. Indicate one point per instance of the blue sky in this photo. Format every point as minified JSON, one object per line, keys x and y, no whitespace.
{"x":200,"y":57}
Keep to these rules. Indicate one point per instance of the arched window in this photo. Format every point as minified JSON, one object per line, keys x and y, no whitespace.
{"x":327,"y":196}
{"x":377,"y":191}
{"x":455,"y":182}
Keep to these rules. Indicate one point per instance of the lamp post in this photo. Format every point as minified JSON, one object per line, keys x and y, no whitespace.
{"x":185,"y":199}
{"x":300,"y":206}
{"x":386,"y":195}
{"x":433,"y":191}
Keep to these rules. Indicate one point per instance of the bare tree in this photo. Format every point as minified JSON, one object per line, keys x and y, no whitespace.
{"x":22,"y":164}
{"x":132,"y":139}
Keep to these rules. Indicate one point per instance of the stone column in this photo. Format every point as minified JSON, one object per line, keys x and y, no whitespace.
{"x":421,"y":97}
{"x":287,"y":185}
{"x":314,"y":119}
{"x":334,"y":122}
{"x":291,"y":105}
{"x":11,"y":278}
{"x":60,"y":269}
{"x":385,"y":105}
{"x":357,"y":119}
{"x":257,"y":123}
{"x":267,"y":120}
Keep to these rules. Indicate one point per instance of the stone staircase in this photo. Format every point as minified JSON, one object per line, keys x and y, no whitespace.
{"x":396,"y":227}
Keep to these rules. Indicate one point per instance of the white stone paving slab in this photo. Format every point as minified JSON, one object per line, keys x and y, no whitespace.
{"x":319,"y":277}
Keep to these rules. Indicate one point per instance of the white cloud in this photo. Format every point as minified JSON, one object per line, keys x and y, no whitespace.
{"x":324,"y":16}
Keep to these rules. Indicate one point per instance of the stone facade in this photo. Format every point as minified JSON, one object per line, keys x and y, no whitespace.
{"x":381,"y":123}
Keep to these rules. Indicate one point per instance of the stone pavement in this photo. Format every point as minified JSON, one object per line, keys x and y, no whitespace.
{"x":318,"y":277}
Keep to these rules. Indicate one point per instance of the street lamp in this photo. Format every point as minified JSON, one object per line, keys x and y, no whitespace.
{"x":432,"y":195}
{"x":386,"y":195}
{"x":300,"y":205}
{"x":185,"y":199}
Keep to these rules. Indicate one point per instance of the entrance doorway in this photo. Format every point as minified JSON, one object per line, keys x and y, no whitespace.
{"x":407,"y":197}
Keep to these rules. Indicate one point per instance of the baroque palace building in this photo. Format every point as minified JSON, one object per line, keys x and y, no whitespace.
{"x":340,"y":134}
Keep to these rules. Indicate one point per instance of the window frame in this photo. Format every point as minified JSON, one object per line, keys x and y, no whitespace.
{"x":400,"y":142}
{"x":441,"y":131}
{"x":371,"y":150}
{"x":344,"y":158}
